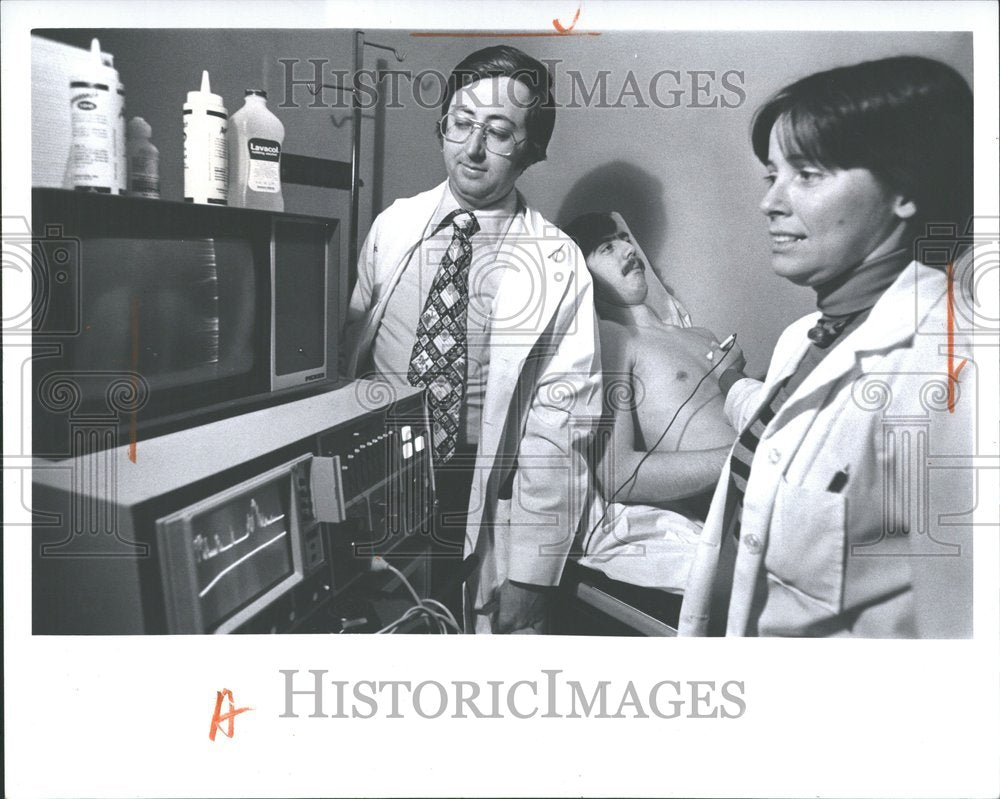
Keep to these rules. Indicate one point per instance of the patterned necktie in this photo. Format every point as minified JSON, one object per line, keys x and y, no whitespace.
{"x":440,"y":353}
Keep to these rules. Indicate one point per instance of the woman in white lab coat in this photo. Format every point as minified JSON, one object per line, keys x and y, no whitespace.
{"x":831,"y":518}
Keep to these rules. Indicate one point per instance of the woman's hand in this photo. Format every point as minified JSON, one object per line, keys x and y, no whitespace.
{"x":733,"y":359}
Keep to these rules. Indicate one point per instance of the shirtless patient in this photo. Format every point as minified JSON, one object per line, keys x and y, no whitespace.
{"x":651,"y":371}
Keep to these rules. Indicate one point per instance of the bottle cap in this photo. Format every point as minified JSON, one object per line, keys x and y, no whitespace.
{"x":205,"y":93}
{"x":105,"y":60}
{"x":138,"y":128}
{"x":103,"y":64}
{"x":257,"y":92}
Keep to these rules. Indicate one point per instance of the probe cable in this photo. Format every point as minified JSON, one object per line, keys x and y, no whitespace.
{"x":635,"y":472}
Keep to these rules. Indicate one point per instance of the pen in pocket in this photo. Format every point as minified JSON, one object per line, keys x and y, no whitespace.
{"x":838,"y":481}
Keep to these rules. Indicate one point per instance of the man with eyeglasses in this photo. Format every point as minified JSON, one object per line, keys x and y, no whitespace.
{"x":468,"y":292}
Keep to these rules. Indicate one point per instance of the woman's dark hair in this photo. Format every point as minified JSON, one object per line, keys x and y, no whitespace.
{"x":503,"y":61}
{"x":906,"y":119}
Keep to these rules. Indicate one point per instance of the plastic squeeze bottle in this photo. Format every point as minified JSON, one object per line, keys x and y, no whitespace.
{"x":121,"y":155}
{"x":117,"y":123}
{"x":143,"y":160}
{"x":255,"y":138}
{"x":206,"y":165}
{"x":93,"y":105}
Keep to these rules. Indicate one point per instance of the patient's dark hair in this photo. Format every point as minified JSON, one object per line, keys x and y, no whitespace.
{"x":906,"y":119}
{"x":503,"y":61}
{"x":589,"y":230}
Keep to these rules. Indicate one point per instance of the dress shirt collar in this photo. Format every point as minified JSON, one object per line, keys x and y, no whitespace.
{"x":492,"y":222}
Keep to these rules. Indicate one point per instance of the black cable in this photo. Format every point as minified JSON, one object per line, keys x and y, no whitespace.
{"x":650,"y":450}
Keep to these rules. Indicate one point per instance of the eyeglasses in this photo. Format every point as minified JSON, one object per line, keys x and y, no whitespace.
{"x":499,"y":141}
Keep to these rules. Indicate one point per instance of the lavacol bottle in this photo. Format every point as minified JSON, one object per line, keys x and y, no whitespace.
{"x":143,"y":160}
{"x":93,"y":104}
{"x":255,"y":139}
{"x":206,"y":170}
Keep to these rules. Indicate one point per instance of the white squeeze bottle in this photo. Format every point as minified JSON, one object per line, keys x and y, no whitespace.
{"x":117,"y":122}
{"x":206,"y":171}
{"x":143,"y":160}
{"x":255,"y":139}
{"x":93,"y":103}
{"x":121,"y":165}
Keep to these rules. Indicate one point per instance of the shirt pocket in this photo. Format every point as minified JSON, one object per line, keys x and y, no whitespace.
{"x":806,"y":545}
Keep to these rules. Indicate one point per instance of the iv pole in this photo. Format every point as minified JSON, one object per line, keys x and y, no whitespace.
{"x":359,"y":58}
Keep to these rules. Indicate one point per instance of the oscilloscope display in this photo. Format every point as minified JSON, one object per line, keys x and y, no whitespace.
{"x":240,"y":550}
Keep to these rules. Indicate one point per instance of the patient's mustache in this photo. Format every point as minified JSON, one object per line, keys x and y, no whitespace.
{"x":634,"y":262}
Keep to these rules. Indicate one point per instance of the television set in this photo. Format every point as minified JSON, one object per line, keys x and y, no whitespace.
{"x":162,"y":315}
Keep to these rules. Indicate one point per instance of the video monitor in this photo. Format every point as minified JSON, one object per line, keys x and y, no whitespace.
{"x":180,"y":312}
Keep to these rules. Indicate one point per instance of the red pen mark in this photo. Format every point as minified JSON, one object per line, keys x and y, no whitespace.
{"x":133,"y":418}
{"x":498,"y":34}
{"x":218,"y":717}
{"x":953,"y":371}
{"x":559,"y":26}
{"x":560,"y":30}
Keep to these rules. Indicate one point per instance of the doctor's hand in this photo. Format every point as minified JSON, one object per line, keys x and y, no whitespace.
{"x":522,"y":607}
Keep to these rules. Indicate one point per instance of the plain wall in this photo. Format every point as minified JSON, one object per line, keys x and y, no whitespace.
{"x":684,"y":177}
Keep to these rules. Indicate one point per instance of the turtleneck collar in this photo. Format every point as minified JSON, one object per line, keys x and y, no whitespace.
{"x":859,"y":289}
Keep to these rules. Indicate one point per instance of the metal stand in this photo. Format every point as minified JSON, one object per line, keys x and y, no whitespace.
{"x":359,"y":57}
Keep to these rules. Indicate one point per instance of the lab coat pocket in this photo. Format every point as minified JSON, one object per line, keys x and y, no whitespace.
{"x":807,"y":539}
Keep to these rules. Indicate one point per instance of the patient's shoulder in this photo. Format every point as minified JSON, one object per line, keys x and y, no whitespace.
{"x":611,"y":327}
{"x":618,"y":341}
{"x":617,"y":332}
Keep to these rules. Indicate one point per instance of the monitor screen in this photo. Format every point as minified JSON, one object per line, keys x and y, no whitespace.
{"x":240,"y":549}
{"x":178,"y":311}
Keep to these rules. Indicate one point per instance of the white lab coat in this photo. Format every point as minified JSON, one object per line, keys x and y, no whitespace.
{"x":543,"y":392}
{"x":889,"y":555}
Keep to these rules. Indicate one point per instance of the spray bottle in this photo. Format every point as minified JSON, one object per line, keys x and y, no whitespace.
{"x":206,"y":170}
